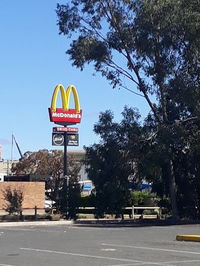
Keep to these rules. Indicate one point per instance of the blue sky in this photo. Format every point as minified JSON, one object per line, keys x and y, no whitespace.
{"x":33,"y":62}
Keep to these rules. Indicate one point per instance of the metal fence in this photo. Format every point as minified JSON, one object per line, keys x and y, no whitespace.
{"x":133,"y":212}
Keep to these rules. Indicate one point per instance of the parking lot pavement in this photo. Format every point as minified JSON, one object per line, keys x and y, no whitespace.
{"x":71,"y":245}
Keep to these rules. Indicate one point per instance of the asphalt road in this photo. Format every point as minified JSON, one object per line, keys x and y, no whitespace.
{"x":97,"y":246}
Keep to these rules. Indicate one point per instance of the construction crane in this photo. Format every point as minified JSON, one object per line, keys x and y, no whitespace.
{"x":14,"y":140}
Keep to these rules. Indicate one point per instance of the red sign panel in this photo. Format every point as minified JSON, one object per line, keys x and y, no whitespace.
{"x":65,"y":116}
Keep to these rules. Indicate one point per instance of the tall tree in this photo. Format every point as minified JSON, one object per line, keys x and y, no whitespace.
{"x":109,"y":163}
{"x":48,"y":166}
{"x":155,"y":45}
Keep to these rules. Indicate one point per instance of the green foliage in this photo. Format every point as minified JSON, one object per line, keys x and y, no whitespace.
{"x":70,"y":190}
{"x":139,"y":198}
{"x":74,"y":197}
{"x":69,"y":198}
{"x":150,"y":212}
{"x":14,"y":198}
{"x":153,"y":46}
{"x":164,"y":203}
{"x":87,"y":201}
{"x":108,"y":164}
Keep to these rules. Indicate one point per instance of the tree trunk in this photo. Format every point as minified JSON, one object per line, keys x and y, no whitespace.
{"x":56,"y":193}
{"x":172,"y":191}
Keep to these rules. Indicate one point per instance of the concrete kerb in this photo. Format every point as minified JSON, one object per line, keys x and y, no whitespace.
{"x":81,"y":223}
{"x":86,"y":223}
{"x":101,"y":223}
{"x":194,"y":238}
{"x":37,"y":223}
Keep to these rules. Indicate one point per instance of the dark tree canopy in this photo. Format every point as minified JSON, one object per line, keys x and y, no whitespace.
{"x":154,"y":46}
{"x":109,"y":162}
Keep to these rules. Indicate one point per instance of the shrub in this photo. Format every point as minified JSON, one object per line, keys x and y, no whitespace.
{"x":87,"y":201}
{"x":143,"y":198}
{"x":150,"y":212}
{"x":14,"y":198}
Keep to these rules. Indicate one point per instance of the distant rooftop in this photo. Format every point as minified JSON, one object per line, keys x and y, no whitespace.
{"x":77,"y":151}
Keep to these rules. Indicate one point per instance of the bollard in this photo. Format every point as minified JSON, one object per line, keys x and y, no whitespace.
{"x":133,"y":213}
{"x":35,"y":212}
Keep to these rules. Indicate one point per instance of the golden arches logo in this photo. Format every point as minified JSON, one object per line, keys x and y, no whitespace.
{"x":65,"y":115}
{"x":65,"y":96}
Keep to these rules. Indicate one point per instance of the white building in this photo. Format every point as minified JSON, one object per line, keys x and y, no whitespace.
{"x":5,"y":168}
{"x":79,"y":155}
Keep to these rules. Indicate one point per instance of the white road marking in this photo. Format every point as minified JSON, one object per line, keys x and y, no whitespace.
{"x":108,"y":249}
{"x":140,"y":263}
{"x":77,"y":254}
{"x":35,"y":230}
{"x":157,"y":249}
{"x":6,"y":265}
{"x":183,"y":261}
{"x":124,"y":264}
{"x":159,"y":263}
{"x":137,"y":263}
{"x":134,"y":262}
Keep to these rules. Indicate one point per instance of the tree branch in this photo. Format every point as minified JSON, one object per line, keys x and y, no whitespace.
{"x":128,"y":57}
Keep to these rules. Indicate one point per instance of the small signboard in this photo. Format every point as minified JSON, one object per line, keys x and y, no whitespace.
{"x":73,"y":139}
{"x":65,"y":129}
{"x":58,"y":139}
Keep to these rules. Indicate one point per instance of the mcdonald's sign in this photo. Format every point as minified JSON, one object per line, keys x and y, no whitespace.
{"x":64,"y":115}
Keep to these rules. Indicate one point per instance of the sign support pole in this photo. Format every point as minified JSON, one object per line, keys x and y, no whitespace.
{"x":65,"y":154}
{"x":66,"y":179}
{"x":65,"y":116}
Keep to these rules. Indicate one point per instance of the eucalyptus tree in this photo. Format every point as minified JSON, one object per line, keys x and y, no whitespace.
{"x":154,"y":44}
{"x":109,"y":163}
